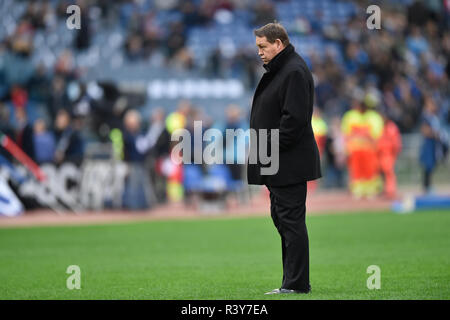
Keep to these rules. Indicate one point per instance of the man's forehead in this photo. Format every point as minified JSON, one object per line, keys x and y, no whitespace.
{"x":261,"y":40}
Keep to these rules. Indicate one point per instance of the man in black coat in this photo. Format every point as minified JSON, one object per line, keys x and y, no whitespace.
{"x":283,"y":101}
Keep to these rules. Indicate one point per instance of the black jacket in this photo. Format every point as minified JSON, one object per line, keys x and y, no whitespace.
{"x":284,"y":100}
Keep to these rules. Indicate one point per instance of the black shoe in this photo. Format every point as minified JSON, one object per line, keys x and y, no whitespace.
{"x":282,"y":290}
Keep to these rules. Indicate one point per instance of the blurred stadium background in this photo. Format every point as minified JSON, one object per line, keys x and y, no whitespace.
{"x":94,"y":107}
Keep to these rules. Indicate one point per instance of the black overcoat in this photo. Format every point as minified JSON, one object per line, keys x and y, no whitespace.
{"x":284,"y":100}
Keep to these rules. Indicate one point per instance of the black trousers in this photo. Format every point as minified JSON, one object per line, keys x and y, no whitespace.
{"x":288,"y":210}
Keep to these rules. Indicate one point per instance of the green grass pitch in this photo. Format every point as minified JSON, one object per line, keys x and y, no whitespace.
{"x":229,"y":258}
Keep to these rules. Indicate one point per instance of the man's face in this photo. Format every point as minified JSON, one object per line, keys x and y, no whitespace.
{"x":267,"y":50}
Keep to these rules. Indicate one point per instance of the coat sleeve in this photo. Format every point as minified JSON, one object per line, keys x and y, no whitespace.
{"x":294,"y":109}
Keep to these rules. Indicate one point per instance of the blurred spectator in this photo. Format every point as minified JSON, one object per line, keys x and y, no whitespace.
{"x":416,"y":43}
{"x":247,"y":62}
{"x":233,"y":155}
{"x":65,"y":66}
{"x":193,"y":15}
{"x":58,"y":98}
{"x":183,"y":60}
{"x":157,"y":143}
{"x":138,"y":190}
{"x":301,"y":25}
{"x":263,"y":13}
{"x":108,"y":109}
{"x":175,"y":40}
{"x":17,"y":66}
{"x":183,"y":117}
{"x":39,"y":84}
{"x":44,"y":142}
{"x":356,"y":58}
{"x":5,"y":128}
{"x":214,"y":66}
{"x":134,"y":47}
{"x":389,"y":146}
{"x":24,"y":132}
{"x":33,"y":15}
{"x":148,"y":141}
{"x":83,"y":37}
{"x":435,"y":142}
{"x":69,"y":143}
{"x":362,"y":128}
{"x":320,"y":129}
{"x":335,"y":155}
{"x":324,"y":87}
{"x":418,"y":13}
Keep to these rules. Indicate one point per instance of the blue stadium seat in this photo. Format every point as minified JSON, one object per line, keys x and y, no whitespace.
{"x":192,"y":177}
{"x":221,"y":171}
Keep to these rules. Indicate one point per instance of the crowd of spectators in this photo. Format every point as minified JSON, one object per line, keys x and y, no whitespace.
{"x":45,"y":107}
{"x":400,"y":63}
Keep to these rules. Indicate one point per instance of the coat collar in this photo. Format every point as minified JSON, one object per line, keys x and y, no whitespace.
{"x":277,"y":62}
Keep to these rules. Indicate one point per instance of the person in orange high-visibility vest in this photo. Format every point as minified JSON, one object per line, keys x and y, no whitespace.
{"x":362,"y":127}
{"x":389,"y":146}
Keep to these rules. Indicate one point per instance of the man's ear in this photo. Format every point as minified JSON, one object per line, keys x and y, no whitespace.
{"x":279,"y":44}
